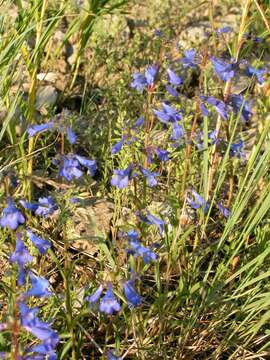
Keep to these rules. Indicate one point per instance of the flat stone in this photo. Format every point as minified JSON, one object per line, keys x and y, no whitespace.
{"x":46,"y":98}
{"x":90,"y":225}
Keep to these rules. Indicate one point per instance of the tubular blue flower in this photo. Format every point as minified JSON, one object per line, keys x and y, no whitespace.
{"x":35,"y":129}
{"x":138,"y":250}
{"x":93,"y":299}
{"x":109,"y":303}
{"x":150,"y":176}
{"x":121,"y":178}
{"x":118,"y":146}
{"x":28,"y":206}
{"x":46,"y":206}
{"x":155,"y":221}
{"x":198,"y":202}
{"x":11,"y":217}
{"x":71,"y":136}
{"x":39,"y":287}
{"x":141,"y":81}
{"x":21,"y":255}
{"x":239,"y":103}
{"x":152,"y":220}
{"x":163,"y":155}
{"x":224,"y":30}
{"x":31,"y":323}
{"x":212,"y":136}
{"x":177,"y":132}
{"x":47,"y":346}
{"x":224,"y":70}
{"x":237,"y":149}
{"x":258,"y":73}
{"x":151,"y":74}
{"x":41,"y":244}
{"x":189,"y":59}
{"x":172,"y":91}
{"x":225,"y":212}
{"x":71,"y":168}
{"x":174,"y":79}
{"x":139,"y":122}
{"x":168,"y":114}
{"x":219,"y":105}
{"x":91,"y":165}
{"x":203,"y":108}
{"x":133,"y":235}
{"x":133,"y":298}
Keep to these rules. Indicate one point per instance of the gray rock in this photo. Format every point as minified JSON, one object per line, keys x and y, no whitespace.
{"x":46,"y":98}
{"x":90,"y":225}
{"x":194,"y":34}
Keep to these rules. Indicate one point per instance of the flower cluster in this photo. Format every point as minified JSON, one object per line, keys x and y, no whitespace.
{"x":27,"y":317}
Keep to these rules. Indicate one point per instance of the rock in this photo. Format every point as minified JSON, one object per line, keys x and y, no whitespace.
{"x":90,"y":225}
{"x":194,"y":34}
{"x":50,"y":77}
{"x":46,"y":98}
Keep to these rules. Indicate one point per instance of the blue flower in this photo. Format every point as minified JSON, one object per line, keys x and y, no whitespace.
{"x":139,"y":122}
{"x":109,"y":303}
{"x":46,"y":206}
{"x":153,"y":220}
{"x":139,"y":250}
{"x":70,"y":168}
{"x":28,"y":206}
{"x":35,"y":129}
{"x":121,"y":178}
{"x":258,"y":73}
{"x":177,"y":132}
{"x":225,"y":212}
{"x":150,"y":176}
{"x":21,"y":255}
{"x":47,"y":347}
{"x":172,"y":91}
{"x":168,"y":114}
{"x":225,"y":71}
{"x":133,"y":235}
{"x":93,"y":299}
{"x":150,"y":74}
{"x":71,"y":136}
{"x":39,"y":287}
{"x":91,"y":165}
{"x":239,"y":103}
{"x":11,"y":217}
{"x":56,"y":124}
{"x":118,"y":146}
{"x":133,"y":298}
{"x":237,"y":149}
{"x":49,"y":337}
{"x":141,"y":81}
{"x":174,"y":79}
{"x":198,"y":202}
{"x":41,"y":244}
{"x":219,"y":105}
{"x":35,"y":326}
{"x":189,"y":59}
{"x":163,"y":155}
{"x":224,"y":30}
